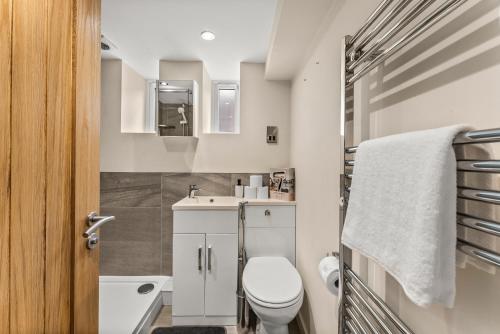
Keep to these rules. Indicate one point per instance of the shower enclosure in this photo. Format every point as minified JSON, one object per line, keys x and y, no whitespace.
{"x":176,"y":102}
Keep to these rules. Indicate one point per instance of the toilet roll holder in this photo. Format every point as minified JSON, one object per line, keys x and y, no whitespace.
{"x":335,"y":254}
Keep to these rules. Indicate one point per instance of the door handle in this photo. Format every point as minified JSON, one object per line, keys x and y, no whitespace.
{"x":94,"y":222}
{"x":209,"y":265}
{"x":199,"y":258}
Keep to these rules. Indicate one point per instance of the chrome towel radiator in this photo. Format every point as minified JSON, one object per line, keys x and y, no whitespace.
{"x":361,"y":310}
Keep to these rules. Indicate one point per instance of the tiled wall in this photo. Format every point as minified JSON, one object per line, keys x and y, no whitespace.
{"x":139,"y":242}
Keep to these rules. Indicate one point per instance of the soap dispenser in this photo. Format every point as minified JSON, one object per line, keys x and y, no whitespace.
{"x":238,"y":189}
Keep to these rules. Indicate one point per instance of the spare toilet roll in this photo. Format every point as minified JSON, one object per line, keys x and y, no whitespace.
{"x":250,"y":192}
{"x":255,"y":181}
{"x":329,"y":271}
{"x":262,"y":192}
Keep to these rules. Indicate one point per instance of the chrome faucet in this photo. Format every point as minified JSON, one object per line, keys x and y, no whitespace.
{"x":193,"y":188}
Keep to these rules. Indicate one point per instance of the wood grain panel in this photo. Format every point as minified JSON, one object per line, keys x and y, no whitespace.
{"x":59,"y":232}
{"x":5,"y":82}
{"x":87,"y":111}
{"x":27,"y":239}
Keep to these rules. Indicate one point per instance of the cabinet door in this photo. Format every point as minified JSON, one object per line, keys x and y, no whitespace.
{"x":189,"y":274}
{"x":221,"y":274}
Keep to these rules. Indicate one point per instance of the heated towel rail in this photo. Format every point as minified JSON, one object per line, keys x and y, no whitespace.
{"x":361,"y":310}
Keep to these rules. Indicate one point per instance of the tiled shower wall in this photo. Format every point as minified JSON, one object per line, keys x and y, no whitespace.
{"x":139,"y":242}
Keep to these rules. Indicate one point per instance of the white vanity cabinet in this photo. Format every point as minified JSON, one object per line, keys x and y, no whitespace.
{"x":205,"y":264}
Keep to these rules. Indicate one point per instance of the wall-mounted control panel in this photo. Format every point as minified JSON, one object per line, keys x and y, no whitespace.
{"x":272,"y":135}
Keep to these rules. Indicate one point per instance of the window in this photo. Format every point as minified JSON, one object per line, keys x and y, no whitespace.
{"x":225,"y":107}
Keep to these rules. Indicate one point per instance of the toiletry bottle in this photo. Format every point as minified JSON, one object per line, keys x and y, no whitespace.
{"x":238,"y":189}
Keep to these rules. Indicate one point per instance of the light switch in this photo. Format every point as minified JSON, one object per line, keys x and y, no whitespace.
{"x":272,"y":135}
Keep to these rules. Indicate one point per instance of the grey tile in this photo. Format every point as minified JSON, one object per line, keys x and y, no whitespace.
{"x":132,"y":224}
{"x":175,"y":185}
{"x":167,"y":240}
{"x":134,"y":258}
{"x":245,"y":179}
{"x":130,"y":189}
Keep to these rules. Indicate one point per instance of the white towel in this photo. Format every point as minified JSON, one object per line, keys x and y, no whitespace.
{"x":402,"y":211}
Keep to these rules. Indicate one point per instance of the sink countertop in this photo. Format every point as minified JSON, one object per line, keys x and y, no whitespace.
{"x":222,"y":203}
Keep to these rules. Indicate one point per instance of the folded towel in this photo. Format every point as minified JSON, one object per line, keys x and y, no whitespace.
{"x":402,"y":211}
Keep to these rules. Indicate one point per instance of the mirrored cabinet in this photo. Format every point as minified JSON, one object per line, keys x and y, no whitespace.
{"x":167,"y":108}
{"x":176,"y":108}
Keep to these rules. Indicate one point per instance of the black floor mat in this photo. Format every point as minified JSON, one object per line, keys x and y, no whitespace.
{"x":189,"y":330}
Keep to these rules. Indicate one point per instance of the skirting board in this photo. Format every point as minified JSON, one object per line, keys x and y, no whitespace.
{"x":302,"y":327}
{"x":203,"y":321}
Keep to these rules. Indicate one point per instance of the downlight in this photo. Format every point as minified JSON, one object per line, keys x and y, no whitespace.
{"x":207,"y":35}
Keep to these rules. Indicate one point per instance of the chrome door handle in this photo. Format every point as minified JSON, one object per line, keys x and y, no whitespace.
{"x":209,"y":265}
{"x":94,"y":222}
{"x":199,"y":258}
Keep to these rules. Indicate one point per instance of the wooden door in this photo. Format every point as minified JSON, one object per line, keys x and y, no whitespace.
{"x":49,"y":170}
{"x":189,"y":274}
{"x":86,"y":182}
{"x":221,"y":275}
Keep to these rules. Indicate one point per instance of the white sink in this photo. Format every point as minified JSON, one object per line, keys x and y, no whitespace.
{"x":221,"y":203}
{"x":207,"y":202}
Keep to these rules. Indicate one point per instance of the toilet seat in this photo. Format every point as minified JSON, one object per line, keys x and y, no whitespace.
{"x":272,"y":282}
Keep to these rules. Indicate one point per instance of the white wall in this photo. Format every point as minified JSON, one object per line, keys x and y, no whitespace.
{"x":262,"y":103}
{"x":455,"y":82}
{"x":112,"y":142}
{"x":133,"y":100}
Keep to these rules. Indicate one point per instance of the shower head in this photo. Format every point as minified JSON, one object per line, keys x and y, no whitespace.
{"x":181,"y":111}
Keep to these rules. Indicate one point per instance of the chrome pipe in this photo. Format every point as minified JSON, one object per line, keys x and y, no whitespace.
{"x":483,"y":225}
{"x":391,"y":15}
{"x":491,"y":166}
{"x":350,"y":150}
{"x":352,"y":329}
{"x":344,"y":252}
{"x":469,"y":137}
{"x":355,"y":318}
{"x":166,"y":90}
{"x":412,"y":13}
{"x":378,"y":301}
{"x":488,"y":196}
{"x":478,"y":252}
{"x":422,"y":27}
{"x":378,"y":319}
{"x":358,"y":310}
{"x":371,"y":19}
{"x":478,"y":136}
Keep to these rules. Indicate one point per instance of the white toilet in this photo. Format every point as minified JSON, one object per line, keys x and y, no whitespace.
{"x":273,"y":288}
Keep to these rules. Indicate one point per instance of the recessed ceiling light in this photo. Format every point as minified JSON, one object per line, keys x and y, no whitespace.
{"x":208,"y":35}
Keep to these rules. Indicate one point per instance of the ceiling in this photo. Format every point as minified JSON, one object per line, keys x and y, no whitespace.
{"x":146,"y":31}
{"x":297,"y":25}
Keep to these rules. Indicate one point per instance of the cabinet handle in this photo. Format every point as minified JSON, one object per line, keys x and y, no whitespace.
{"x":199,"y":258}
{"x":267,"y":212}
{"x":209,"y":265}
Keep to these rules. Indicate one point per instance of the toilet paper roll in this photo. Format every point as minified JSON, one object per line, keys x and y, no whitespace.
{"x":329,"y":271}
{"x":250,"y":192}
{"x":262,"y":192}
{"x":255,"y":181}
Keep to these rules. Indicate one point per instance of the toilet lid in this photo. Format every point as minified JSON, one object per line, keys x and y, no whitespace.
{"x":272,"y":280}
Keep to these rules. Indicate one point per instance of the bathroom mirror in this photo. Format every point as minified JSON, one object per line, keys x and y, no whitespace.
{"x":176,"y":107}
